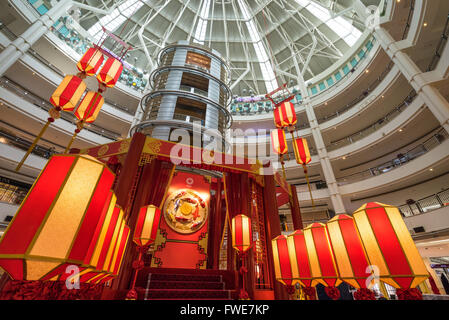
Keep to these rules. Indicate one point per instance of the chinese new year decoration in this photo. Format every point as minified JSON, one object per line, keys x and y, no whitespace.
{"x":144,"y":235}
{"x":242,"y":240}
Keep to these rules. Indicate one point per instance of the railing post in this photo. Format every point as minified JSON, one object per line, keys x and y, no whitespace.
{"x":439,"y":200}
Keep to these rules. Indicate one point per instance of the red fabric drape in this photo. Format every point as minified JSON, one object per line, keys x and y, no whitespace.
{"x":150,"y":189}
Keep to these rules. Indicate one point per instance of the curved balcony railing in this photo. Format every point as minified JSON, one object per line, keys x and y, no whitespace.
{"x":45,"y":105}
{"x":23,"y":144}
{"x":440,"y":47}
{"x":371,"y":87}
{"x":373,"y":127}
{"x":424,"y":205}
{"x":435,"y":140}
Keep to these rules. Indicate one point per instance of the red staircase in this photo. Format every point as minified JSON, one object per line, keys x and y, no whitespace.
{"x":186,"y":284}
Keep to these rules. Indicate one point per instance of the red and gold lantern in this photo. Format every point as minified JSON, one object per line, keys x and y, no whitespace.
{"x":55,"y":223}
{"x":282,"y":262}
{"x":68,"y":93}
{"x":389,"y":245}
{"x":278,"y":141}
{"x":110,"y":73}
{"x":350,"y":255}
{"x":241,"y":233}
{"x":90,"y":62}
{"x":321,"y":258}
{"x":147,"y":225}
{"x":90,"y":107}
{"x":277,"y":118}
{"x":299,"y":258}
{"x":287,"y":115}
{"x":302,"y":153}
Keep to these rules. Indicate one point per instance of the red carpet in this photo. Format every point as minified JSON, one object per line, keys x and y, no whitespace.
{"x":186,"y":284}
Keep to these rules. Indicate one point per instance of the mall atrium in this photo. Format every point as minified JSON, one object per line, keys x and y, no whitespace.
{"x":365,"y":83}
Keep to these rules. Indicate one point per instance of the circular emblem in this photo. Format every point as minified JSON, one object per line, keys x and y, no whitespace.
{"x":103,"y":150}
{"x":185,"y":211}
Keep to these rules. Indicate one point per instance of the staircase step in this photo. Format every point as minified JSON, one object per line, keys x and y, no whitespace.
{"x":188,"y":294}
{"x":159,"y":284}
{"x":185,"y":277}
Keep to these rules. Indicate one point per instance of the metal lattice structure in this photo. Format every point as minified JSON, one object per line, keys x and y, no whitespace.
{"x":291,"y":36}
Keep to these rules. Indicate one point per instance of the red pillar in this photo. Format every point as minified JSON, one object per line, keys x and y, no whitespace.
{"x":216,"y":227}
{"x":295,"y":209}
{"x":273,"y":229}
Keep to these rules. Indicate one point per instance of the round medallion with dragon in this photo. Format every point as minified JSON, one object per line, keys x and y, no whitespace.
{"x":185,"y":211}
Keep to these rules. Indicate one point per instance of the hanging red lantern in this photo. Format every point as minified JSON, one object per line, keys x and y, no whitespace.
{"x":242,"y":240}
{"x":55,"y":223}
{"x":144,"y":234}
{"x":278,"y":141}
{"x":87,"y":112}
{"x":90,"y":107}
{"x":241,"y":233}
{"x":321,"y":258}
{"x":147,"y":225}
{"x":288,"y":115}
{"x":277,"y":118}
{"x":389,"y":245}
{"x":282,"y":263}
{"x":302,"y":153}
{"x":350,"y":255}
{"x":90,"y":62}
{"x":68,"y":93}
{"x":110,"y":73}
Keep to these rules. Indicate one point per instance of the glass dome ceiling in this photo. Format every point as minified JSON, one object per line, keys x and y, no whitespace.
{"x":266,"y":42}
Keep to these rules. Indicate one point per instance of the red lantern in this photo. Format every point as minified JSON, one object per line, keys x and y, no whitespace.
{"x":282,"y":263}
{"x":278,"y":118}
{"x":241,"y":233}
{"x":55,"y":224}
{"x":90,"y":61}
{"x":144,"y":234}
{"x":350,"y":255}
{"x":89,"y":107}
{"x":287,"y":114}
{"x":278,"y":141}
{"x":302,"y":153}
{"x":300,"y":264}
{"x":389,"y":245}
{"x":68,"y":93}
{"x":321,"y":256}
{"x":110,"y":73}
{"x":147,"y":225}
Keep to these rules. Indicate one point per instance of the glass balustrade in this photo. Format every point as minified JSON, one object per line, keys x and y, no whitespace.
{"x":427,"y":204}
{"x":435,"y":140}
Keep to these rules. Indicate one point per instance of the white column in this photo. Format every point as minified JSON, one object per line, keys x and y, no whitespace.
{"x":20,"y":46}
{"x":329,"y":176}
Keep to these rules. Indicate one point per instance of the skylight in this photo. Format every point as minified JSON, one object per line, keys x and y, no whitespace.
{"x":113,"y":20}
{"x":200,"y":33}
{"x":342,"y":27}
{"x":265,"y":64}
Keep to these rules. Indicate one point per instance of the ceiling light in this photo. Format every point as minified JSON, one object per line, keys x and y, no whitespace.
{"x":431,"y":169}
{"x":400,"y":130}
{"x":425,"y":24}
{"x":367,"y":70}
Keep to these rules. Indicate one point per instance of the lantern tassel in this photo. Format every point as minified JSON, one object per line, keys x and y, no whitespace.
{"x":283,"y":168}
{"x":71,"y":141}
{"x":30,"y":149}
{"x":308,"y":185}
